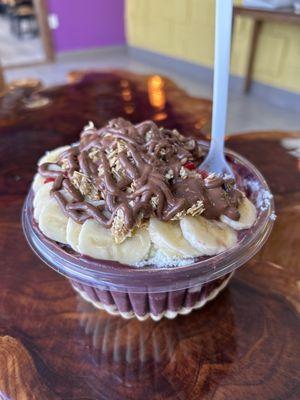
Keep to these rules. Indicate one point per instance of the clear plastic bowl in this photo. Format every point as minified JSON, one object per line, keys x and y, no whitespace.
{"x":151,"y":291}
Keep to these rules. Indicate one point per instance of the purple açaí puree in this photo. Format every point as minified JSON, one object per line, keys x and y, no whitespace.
{"x":142,"y":305}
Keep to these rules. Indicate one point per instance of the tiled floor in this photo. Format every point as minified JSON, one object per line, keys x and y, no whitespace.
{"x":245,"y":113}
{"x":15,"y":50}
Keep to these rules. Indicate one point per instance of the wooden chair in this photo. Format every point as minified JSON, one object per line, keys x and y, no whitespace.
{"x":259,"y":16}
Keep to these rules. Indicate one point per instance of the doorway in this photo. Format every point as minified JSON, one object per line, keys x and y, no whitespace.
{"x":25,"y":36}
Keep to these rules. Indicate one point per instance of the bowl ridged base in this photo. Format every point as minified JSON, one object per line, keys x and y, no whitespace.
{"x":152,"y":305}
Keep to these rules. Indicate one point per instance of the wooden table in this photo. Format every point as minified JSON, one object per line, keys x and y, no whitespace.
{"x":260,"y":16}
{"x":244,"y":345}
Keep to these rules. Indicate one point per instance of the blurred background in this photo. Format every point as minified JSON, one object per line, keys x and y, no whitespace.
{"x":45,"y":39}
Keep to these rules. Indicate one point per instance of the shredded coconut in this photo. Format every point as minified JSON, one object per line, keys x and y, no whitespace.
{"x":263,"y":199}
{"x":160,"y":260}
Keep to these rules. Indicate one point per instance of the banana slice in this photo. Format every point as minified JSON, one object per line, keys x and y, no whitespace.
{"x":133,"y":249}
{"x":41,"y":198}
{"x":207,"y":236}
{"x":248,"y":214}
{"x":73,"y":231}
{"x":96,"y":241}
{"x":52,"y":155}
{"x":53,"y":223}
{"x":38,"y":181}
{"x":168,"y":238}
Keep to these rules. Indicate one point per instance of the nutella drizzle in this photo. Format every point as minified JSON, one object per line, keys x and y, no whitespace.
{"x":127,"y":173}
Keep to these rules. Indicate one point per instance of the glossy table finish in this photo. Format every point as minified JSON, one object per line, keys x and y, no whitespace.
{"x":53,"y":345}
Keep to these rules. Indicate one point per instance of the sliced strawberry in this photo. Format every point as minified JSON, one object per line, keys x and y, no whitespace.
{"x":47,"y":180}
{"x":190,"y":165}
{"x":204,"y":174}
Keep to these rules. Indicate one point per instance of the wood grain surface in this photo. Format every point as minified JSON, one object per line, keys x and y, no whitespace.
{"x":243,"y":345}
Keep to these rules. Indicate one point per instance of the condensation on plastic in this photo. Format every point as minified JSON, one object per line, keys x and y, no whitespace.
{"x":107,"y":275}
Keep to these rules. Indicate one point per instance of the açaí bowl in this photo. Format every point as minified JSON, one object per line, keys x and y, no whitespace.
{"x":151,"y":291}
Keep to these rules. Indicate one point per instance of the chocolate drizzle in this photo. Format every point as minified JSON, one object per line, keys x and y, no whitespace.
{"x":123,"y":174}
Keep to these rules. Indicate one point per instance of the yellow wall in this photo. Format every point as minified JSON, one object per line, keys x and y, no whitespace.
{"x":185,"y":29}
